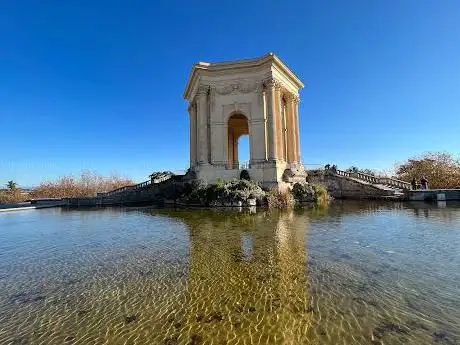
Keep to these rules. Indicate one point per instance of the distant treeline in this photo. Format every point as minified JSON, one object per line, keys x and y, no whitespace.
{"x":441,"y":169}
{"x":87,"y":184}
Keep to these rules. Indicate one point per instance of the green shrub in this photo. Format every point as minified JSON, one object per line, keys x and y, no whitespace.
{"x":321,"y":195}
{"x":222,"y":191}
{"x":241,"y":190}
{"x":276,"y":199}
{"x":196,"y":192}
{"x":244,"y":175}
{"x":304,"y":192}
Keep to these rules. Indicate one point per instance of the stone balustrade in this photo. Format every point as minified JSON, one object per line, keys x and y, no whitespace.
{"x":343,"y":173}
{"x":392,"y":182}
{"x":366,"y":177}
{"x":395,"y":183}
{"x":161,"y":179}
{"x":128,"y":188}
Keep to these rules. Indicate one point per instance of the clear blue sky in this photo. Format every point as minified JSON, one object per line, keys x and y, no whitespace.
{"x":98,"y":84}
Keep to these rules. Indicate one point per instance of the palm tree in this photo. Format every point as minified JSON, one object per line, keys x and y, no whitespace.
{"x":12,"y":186}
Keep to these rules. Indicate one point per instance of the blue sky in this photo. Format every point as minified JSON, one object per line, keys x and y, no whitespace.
{"x":98,"y":84}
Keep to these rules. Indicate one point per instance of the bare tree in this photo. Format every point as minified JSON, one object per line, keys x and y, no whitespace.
{"x":441,"y":169}
{"x":88,"y":184}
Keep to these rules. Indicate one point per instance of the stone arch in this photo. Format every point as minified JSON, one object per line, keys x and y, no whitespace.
{"x":229,"y":112}
{"x":237,"y":126}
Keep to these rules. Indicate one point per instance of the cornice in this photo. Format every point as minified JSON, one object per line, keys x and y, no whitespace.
{"x":237,"y":66}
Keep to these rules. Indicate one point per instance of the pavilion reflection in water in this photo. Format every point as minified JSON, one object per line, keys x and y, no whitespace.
{"x":247,"y":279}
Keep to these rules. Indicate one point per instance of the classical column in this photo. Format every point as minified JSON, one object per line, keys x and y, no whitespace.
{"x":296,"y":121}
{"x":291,"y":125}
{"x":285,"y":124}
{"x":279,"y":131}
{"x":270,"y":98}
{"x":202,"y":115}
{"x":257,"y":127}
{"x":193,"y":134}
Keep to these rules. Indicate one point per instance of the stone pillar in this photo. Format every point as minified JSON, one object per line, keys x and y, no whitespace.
{"x":257,"y":127}
{"x":202,"y":115}
{"x":193,"y":134}
{"x":224,"y":149}
{"x":270,"y":98}
{"x":279,"y":132}
{"x":218,"y":138}
{"x":291,"y":125}
{"x":257,"y":141}
{"x":230,"y":150}
{"x":285,"y":129}
{"x":296,"y":121}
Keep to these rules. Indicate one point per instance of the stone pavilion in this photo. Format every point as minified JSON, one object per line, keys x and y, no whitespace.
{"x":255,"y":97}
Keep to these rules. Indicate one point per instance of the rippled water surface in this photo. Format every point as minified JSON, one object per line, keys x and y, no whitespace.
{"x":357,"y":273}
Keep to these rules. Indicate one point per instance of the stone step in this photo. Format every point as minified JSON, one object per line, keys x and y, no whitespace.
{"x":396,"y":191}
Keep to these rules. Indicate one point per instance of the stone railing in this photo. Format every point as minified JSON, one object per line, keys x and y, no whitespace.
{"x":241,"y":165}
{"x":375,"y":179}
{"x":127,"y":188}
{"x":366,"y":177}
{"x":244,"y":165}
{"x":395,"y":183}
{"x":161,"y":179}
{"x":343,"y":173}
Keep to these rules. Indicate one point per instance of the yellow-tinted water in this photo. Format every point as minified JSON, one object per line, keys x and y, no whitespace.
{"x":352,"y":274}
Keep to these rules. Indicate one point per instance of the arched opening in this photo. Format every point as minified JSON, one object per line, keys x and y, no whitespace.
{"x":238,"y":134}
{"x":244,"y":154}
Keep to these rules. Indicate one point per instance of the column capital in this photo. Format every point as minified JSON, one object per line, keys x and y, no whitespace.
{"x":291,"y":98}
{"x":202,"y":89}
{"x":271,"y":82}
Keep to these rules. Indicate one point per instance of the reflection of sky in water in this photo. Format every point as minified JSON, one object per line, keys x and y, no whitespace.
{"x":358,"y":273}
{"x":246,"y":245}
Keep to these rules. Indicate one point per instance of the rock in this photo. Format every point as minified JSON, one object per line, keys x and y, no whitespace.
{"x":83,"y":312}
{"x":215,"y":316}
{"x":130,"y":318}
{"x":25,"y":297}
{"x":171,"y":341}
{"x":239,"y":308}
{"x":251,"y":202}
{"x":414,"y":325}
{"x":237,"y":323}
{"x":380,"y":331}
{"x":311,"y":308}
{"x":441,"y":337}
{"x":195,"y":339}
{"x":38,"y":298}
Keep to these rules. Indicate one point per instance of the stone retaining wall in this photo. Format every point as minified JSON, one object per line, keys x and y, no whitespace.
{"x":343,"y":187}
{"x":434,"y":195}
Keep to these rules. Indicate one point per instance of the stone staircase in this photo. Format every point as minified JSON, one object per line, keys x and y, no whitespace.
{"x":355,"y":185}
{"x":143,"y":192}
{"x":388,"y":185}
